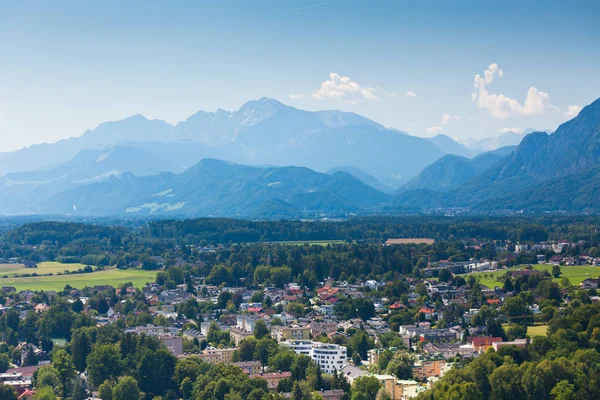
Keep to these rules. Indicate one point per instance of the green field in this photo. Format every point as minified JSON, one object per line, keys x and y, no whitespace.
{"x":576,"y":274}
{"x":113,"y":277}
{"x":537,"y":330}
{"x":46,"y":267}
{"x":311,"y":242}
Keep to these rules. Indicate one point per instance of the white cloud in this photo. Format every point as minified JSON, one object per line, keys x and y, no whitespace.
{"x":342,"y":88}
{"x":501,"y":106}
{"x":434,"y":129}
{"x":443,"y":122}
{"x":296,"y":96}
{"x":447,"y":117}
{"x":573,"y":111}
{"x":513,"y":130}
{"x":410,"y":93}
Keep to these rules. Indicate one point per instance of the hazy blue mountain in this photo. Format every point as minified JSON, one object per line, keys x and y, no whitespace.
{"x":261,"y":132}
{"x":218,"y":188}
{"x":535,"y":166}
{"x":363,"y":176}
{"x":450,"y":172}
{"x":450,"y":146}
{"x":133,"y":129}
{"x":88,"y":166}
{"x":493,"y":143}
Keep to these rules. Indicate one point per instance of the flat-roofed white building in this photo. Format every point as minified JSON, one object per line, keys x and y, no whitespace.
{"x":330,"y":357}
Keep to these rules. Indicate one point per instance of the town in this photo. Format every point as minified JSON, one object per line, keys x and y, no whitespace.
{"x":379,"y":334}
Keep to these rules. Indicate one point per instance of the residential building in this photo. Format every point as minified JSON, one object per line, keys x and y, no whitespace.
{"x":237,"y":335}
{"x":273,"y":378}
{"x":483,"y":343}
{"x":427,"y":366}
{"x":292,"y":332}
{"x":250,"y":367}
{"x":216,"y":356}
{"x":173,"y":343}
{"x":522,"y":343}
{"x":330,"y":357}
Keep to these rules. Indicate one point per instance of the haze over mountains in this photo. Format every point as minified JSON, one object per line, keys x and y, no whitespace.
{"x":138,"y":166}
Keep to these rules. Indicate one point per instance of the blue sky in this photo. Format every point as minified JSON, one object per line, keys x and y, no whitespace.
{"x":67,"y":66}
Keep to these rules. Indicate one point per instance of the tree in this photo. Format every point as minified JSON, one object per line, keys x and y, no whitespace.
{"x":185,"y":388}
{"x":81,"y":346}
{"x":48,"y":376}
{"x":78,"y":392}
{"x":246,"y":349}
{"x":401,"y":365}
{"x":104,"y":363}
{"x":383,"y":394}
{"x":152,"y":370}
{"x":556,"y":271}
{"x":264,"y":348}
{"x":563,"y":391}
{"x":105,"y":391}
{"x":4,"y":362}
{"x":7,"y":392}
{"x":445,"y":275}
{"x":45,"y":393}
{"x":61,"y":361}
{"x":367,"y":386}
{"x":506,"y":383}
{"x":126,"y":389}
{"x":260,"y":329}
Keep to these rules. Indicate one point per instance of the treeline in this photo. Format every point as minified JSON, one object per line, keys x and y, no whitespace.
{"x":378,"y":229}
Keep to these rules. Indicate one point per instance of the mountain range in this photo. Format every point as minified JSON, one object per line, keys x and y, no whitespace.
{"x":544,"y":173}
{"x":238,"y":164}
{"x":261,"y":132}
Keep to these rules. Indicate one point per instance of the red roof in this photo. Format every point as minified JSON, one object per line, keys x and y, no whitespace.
{"x":493,"y":301}
{"x":397,"y":306}
{"x":27,"y":392}
{"x":425,"y":310}
{"x":255,"y":309}
{"x":485,"y":341}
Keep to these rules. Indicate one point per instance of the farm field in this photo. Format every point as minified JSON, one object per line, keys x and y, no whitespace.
{"x":576,"y":274}
{"x":113,"y":277}
{"x":46,"y":267}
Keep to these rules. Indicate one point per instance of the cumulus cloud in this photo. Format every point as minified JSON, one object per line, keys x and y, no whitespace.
{"x":501,"y":106}
{"x":443,"y":121}
{"x":573,"y":111}
{"x":513,"y":130}
{"x":410,"y":93}
{"x":344,"y":89}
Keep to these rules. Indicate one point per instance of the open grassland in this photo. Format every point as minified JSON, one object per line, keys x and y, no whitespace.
{"x":43,"y":268}
{"x":576,"y":274}
{"x":112,"y":277}
{"x":537,"y":330}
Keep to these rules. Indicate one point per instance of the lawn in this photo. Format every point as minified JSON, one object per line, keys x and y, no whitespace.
{"x":537,"y":330}
{"x":46,"y":267}
{"x":112,"y":277}
{"x":576,"y":274}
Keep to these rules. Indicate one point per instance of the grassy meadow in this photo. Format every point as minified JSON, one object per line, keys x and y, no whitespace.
{"x":113,"y":277}
{"x":576,"y":274}
{"x":46,"y":267}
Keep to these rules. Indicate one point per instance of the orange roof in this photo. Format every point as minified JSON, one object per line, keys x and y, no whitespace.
{"x":425,"y":310}
{"x":493,"y":301}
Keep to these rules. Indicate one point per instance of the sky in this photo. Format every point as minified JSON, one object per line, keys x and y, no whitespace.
{"x":463,"y":68}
